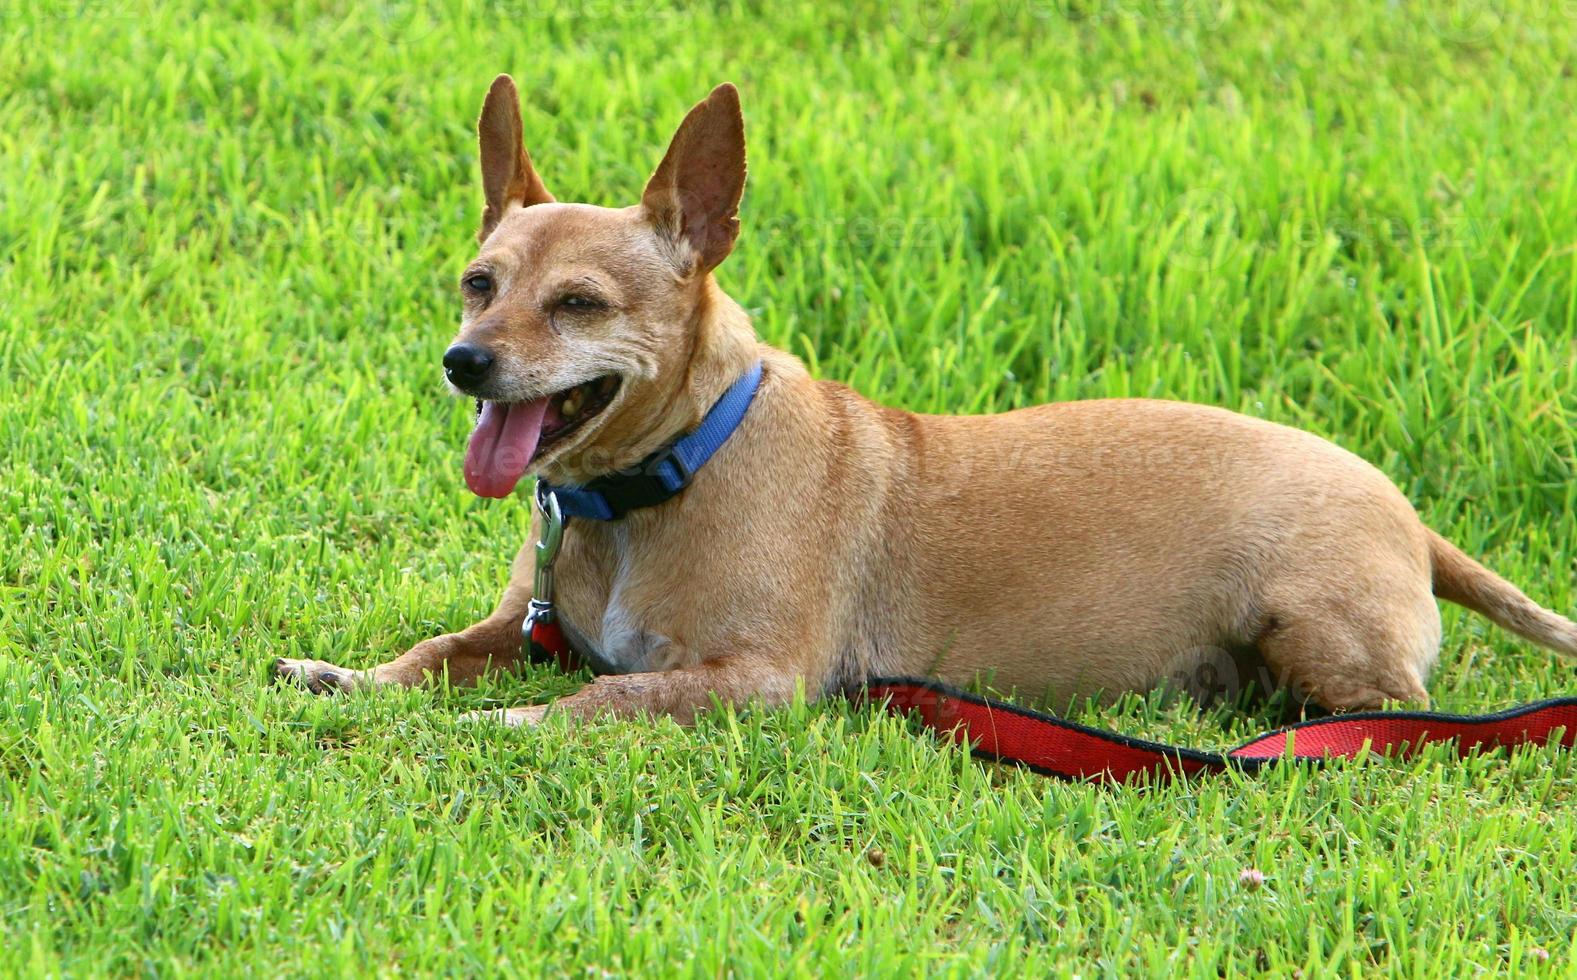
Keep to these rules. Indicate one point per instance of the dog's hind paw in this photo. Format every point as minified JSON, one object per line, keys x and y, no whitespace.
{"x":317,"y":676}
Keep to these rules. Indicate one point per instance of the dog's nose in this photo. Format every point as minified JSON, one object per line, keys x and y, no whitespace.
{"x":466,"y":364}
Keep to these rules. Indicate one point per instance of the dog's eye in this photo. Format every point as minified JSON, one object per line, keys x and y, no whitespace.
{"x":577,"y":302}
{"x":478,"y":283}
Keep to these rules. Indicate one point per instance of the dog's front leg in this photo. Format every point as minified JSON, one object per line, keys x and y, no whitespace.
{"x":735,"y":678}
{"x":493,"y":644}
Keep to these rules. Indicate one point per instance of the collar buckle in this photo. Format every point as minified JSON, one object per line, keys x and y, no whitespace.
{"x":651,"y":483}
{"x":673,"y":457}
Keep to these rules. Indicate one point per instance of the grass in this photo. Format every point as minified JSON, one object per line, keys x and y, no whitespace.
{"x":228,"y":238}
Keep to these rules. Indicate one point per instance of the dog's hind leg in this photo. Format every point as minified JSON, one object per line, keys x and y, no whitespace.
{"x":1345,"y":661}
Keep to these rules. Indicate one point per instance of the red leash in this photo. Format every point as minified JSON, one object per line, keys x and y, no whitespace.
{"x":1002,"y":732}
{"x":1053,"y":747}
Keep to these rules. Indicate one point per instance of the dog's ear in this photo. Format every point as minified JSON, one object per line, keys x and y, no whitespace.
{"x":508,"y":178}
{"x":693,"y":198}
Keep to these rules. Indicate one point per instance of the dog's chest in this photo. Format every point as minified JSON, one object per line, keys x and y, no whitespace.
{"x":615,"y":600}
{"x":621,"y":641}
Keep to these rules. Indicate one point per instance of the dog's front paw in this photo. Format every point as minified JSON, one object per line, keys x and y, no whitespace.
{"x":317,"y":676}
{"x":530,"y":716}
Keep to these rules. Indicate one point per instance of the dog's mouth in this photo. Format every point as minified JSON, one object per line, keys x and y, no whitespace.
{"x":510,"y":436}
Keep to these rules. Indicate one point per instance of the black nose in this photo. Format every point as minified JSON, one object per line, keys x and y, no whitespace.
{"x":466,"y":364}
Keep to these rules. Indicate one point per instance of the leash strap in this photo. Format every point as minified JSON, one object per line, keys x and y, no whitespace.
{"x":545,"y":643}
{"x":666,"y":472}
{"x":1048,"y":745}
{"x":1002,"y":732}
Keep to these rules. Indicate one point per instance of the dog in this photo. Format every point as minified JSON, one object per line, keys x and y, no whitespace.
{"x":1069,"y":550}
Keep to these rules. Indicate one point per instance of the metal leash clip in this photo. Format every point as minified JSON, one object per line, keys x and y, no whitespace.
{"x":544,"y":639}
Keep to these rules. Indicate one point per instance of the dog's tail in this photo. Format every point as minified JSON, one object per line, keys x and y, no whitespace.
{"x":1467,"y":583}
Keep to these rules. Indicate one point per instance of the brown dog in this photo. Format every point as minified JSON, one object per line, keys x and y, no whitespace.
{"x":1066,"y":550}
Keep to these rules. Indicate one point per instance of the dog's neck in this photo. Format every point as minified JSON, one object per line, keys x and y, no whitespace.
{"x":724,"y":346}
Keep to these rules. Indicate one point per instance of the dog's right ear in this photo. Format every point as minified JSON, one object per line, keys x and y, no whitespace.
{"x":508,"y":179}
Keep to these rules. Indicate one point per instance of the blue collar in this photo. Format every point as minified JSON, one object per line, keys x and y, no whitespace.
{"x":666,"y":472}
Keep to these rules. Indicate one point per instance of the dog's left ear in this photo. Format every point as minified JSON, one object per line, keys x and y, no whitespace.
{"x":508,"y":178}
{"x":693,"y":198}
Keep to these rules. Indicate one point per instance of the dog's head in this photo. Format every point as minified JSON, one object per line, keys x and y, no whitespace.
{"x":580,"y":322}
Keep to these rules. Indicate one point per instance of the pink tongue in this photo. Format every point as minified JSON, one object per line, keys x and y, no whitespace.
{"x":501,"y":447}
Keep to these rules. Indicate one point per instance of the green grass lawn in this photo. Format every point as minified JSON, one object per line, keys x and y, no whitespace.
{"x":229,"y":235}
